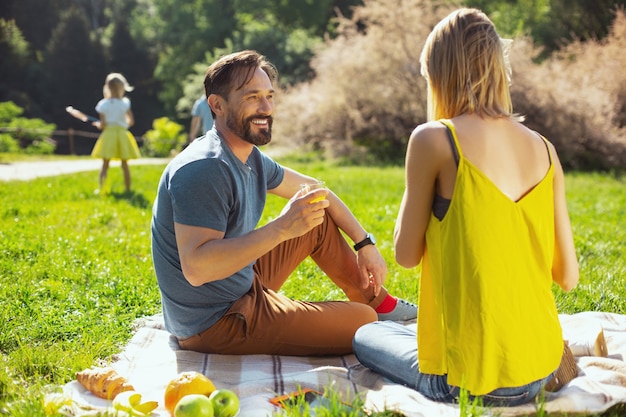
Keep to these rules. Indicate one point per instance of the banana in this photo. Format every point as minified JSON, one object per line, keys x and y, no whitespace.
{"x":147,"y":407}
{"x":130,"y":402}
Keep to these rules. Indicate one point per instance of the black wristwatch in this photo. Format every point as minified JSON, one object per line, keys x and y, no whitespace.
{"x":369,"y":240}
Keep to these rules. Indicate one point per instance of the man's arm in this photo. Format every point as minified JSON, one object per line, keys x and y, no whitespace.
{"x":206,"y":256}
{"x":193,"y":129}
{"x":371,"y":263}
{"x":344,"y":218}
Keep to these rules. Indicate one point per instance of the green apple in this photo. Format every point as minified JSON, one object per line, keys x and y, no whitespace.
{"x":225,"y":403}
{"x":194,"y":405}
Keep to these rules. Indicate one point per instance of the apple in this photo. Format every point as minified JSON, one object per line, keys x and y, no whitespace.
{"x":194,"y":405}
{"x":225,"y":403}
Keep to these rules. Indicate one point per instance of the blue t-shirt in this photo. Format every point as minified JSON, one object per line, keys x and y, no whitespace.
{"x":207,"y":186}
{"x":202,"y":109}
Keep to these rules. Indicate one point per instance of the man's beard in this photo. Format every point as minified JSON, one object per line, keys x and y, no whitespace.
{"x":244,"y":130}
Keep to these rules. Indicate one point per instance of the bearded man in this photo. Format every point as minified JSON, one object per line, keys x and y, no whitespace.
{"x":220,"y":273}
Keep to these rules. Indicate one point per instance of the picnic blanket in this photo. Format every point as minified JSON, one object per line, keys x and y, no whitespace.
{"x":153,"y":357}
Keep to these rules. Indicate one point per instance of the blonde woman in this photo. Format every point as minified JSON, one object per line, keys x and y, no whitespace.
{"x":484,"y":214}
{"x":116,"y":141}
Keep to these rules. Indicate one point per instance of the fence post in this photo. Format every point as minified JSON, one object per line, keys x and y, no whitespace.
{"x":70,"y":135}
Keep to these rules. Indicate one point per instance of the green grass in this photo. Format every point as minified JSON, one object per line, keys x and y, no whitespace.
{"x":76,"y":271}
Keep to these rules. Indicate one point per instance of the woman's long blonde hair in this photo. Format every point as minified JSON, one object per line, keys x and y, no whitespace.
{"x":465,"y":64}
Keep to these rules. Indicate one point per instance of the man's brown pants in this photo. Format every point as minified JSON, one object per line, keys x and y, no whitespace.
{"x":266,"y":322}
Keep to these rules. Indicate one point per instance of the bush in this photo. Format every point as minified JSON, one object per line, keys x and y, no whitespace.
{"x":8,"y":144}
{"x":576,"y":103}
{"x":41,"y":147}
{"x":368,"y":94}
{"x":31,"y":135}
{"x":164,"y":138}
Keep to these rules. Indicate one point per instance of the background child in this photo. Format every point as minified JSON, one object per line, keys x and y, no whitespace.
{"x":116,"y":141}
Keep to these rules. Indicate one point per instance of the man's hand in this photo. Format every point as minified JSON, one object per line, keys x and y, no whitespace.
{"x":301,"y":214}
{"x":372,"y":266}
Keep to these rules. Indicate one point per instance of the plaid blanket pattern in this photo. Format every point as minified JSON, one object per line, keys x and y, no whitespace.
{"x":153,"y":357}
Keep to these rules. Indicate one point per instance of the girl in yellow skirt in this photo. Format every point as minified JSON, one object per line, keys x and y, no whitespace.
{"x":116,"y":141}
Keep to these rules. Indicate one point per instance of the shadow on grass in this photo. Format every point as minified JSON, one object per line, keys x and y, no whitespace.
{"x":134,"y":198}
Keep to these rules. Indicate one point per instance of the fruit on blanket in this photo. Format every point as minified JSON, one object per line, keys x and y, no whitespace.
{"x":103,"y":382}
{"x":225,"y":403}
{"x":190,"y":382}
{"x":194,"y":405}
{"x":130,"y":402}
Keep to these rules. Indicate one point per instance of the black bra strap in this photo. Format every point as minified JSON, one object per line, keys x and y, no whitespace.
{"x":455,"y":151}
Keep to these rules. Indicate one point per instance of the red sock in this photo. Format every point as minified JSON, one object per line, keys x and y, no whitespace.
{"x":388,"y":304}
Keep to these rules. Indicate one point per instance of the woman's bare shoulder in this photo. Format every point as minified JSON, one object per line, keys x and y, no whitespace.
{"x":427,"y":129}
{"x":429,"y":140}
{"x":428,"y":134}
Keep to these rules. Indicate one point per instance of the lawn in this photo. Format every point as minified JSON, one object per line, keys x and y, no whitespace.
{"x":76,"y":271}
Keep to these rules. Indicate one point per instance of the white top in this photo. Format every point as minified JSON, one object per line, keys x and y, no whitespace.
{"x":114,"y":110}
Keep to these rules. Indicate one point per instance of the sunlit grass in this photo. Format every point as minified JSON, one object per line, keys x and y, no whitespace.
{"x":76,"y":270}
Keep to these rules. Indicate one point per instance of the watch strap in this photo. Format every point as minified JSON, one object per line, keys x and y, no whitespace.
{"x":367,"y":241}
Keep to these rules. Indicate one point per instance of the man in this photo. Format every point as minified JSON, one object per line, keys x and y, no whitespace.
{"x":200,"y":118}
{"x":219,"y":273}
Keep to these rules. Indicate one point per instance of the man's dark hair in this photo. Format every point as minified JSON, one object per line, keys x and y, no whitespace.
{"x":231,"y":72}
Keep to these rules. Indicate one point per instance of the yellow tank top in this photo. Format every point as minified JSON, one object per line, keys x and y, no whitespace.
{"x":487,"y":316}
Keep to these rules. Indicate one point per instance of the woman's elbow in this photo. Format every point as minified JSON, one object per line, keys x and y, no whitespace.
{"x":567,"y":280}
{"x":569,"y":283}
{"x":407,"y":260}
{"x":408,"y":250}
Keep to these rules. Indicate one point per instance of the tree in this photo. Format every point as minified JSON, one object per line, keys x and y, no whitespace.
{"x":289,"y":50}
{"x":75,"y":68}
{"x":190,"y":31}
{"x":551,"y":23}
{"x":15,"y":51}
{"x":93,"y":10}
{"x":311,"y":15}
{"x":186,"y":30}
{"x":301,"y":13}
{"x":37,"y":30}
{"x":570,"y":20}
{"x":137,"y":66}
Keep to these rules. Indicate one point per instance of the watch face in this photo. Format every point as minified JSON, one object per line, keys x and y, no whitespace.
{"x":372,"y":238}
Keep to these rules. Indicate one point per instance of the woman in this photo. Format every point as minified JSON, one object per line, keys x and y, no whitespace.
{"x":484,"y":212}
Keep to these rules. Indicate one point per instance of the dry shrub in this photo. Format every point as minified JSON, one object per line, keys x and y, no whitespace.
{"x":577,"y":98}
{"x":368,"y":94}
{"x":368,"y":89}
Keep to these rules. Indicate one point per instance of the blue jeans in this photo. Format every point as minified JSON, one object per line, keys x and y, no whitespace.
{"x":390,"y":349}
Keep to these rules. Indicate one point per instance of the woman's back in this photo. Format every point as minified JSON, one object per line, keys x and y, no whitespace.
{"x":486,"y":273}
{"x":513,"y":157}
